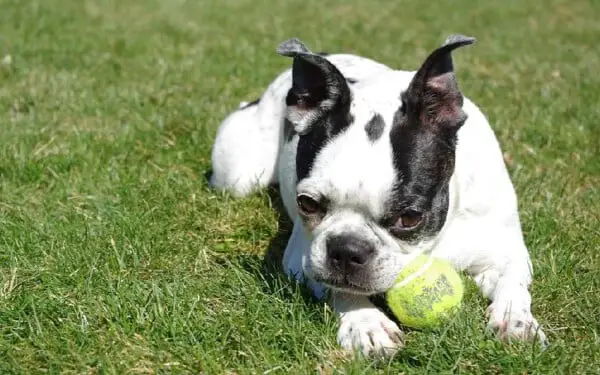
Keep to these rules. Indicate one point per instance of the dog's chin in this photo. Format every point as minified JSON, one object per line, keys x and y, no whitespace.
{"x":351,"y":289}
{"x":360,"y":284}
{"x":348,"y":287}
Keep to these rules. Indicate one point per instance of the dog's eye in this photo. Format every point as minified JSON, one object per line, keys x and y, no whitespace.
{"x":307,"y":205}
{"x":409,"y":219}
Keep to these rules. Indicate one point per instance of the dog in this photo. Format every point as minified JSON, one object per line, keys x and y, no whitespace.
{"x":376,"y":166}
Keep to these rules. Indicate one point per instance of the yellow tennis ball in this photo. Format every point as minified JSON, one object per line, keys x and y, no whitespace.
{"x":427,"y":292}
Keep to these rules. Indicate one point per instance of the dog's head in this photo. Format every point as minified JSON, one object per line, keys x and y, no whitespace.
{"x":372,"y":171}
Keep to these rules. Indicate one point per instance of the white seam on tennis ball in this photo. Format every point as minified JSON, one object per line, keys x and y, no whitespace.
{"x":415,"y":274}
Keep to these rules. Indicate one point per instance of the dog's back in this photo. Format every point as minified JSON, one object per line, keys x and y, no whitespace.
{"x":246,"y":149}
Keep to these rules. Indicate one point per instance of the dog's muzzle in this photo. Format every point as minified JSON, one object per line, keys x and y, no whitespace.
{"x":348,"y":254}
{"x":348,"y":260}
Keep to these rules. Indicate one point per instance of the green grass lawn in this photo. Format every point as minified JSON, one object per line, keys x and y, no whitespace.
{"x":115,"y":257}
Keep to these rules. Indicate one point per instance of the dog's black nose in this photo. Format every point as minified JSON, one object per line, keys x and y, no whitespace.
{"x":348,"y":253}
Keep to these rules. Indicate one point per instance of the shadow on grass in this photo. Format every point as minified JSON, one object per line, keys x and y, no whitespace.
{"x":274,"y":254}
{"x":271,"y":269}
{"x":268,"y":268}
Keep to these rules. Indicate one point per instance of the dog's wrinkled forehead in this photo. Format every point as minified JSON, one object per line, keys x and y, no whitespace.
{"x":353,"y":167}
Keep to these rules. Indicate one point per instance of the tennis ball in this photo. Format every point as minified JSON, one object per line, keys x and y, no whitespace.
{"x":426,"y":293}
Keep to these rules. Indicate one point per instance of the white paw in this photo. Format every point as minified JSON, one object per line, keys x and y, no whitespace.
{"x":511,"y":321}
{"x":370,"y":332}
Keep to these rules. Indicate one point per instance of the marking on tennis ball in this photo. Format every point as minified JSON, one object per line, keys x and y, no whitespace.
{"x":429,"y":297}
{"x":418,"y":305}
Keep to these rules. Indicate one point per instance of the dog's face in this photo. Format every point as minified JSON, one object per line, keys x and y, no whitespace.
{"x":372,"y":176}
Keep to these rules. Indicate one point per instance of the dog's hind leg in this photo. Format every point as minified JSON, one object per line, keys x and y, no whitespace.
{"x":244,"y":154}
{"x":246,"y":149}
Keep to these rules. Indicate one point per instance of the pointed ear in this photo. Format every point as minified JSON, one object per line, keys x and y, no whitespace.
{"x":433,"y":95}
{"x":318,"y":87}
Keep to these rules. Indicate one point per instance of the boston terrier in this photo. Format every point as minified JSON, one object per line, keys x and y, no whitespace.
{"x":376,"y":166}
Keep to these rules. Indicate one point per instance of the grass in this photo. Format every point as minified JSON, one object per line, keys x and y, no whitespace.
{"x":115,"y":257}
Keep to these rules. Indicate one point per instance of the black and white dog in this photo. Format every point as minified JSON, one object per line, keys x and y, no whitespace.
{"x":375,"y":166}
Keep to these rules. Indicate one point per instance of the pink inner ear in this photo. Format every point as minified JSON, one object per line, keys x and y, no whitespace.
{"x":443,"y":101}
{"x":440,"y":83}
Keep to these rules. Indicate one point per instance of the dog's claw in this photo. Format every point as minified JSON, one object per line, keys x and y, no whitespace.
{"x":515,"y":325}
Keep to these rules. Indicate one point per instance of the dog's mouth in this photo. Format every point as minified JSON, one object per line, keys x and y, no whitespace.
{"x":347,"y":286}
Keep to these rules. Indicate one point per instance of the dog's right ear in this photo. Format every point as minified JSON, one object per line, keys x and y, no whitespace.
{"x":433,"y":98}
{"x":318,"y":87}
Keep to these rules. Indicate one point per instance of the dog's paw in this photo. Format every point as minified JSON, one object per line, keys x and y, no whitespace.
{"x":510,"y":322}
{"x":370,"y":332}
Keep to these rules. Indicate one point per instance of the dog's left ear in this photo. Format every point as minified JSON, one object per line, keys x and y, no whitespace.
{"x":433,"y":98}
{"x":318,"y":87}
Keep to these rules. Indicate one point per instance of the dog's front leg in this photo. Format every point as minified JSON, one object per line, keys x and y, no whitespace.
{"x":510,"y":308}
{"x":507,"y":286}
{"x":364,"y":327}
{"x":297,"y":246}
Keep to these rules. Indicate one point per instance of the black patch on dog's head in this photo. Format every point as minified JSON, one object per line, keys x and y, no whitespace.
{"x":374,"y":127}
{"x":319,"y":97}
{"x":423,"y":138}
{"x":311,"y":143}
